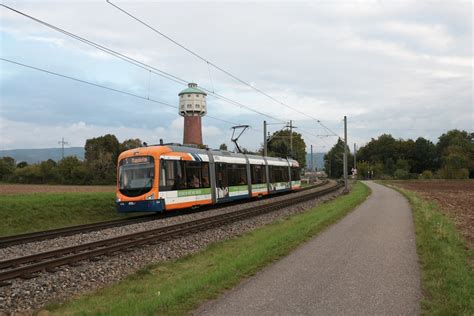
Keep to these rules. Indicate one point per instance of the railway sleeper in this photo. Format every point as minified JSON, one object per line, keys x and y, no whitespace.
{"x":96,"y":258}
{"x":28,"y":276}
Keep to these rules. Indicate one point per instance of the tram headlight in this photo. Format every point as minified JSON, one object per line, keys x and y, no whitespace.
{"x":151,"y":197}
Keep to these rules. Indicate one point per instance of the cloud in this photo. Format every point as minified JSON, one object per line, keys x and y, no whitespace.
{"x":388,"y":65}
{"x":76,"y":134}
{"x":432,"y":36}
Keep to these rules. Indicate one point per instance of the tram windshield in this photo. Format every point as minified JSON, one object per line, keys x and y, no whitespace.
{"x":136,"y":175}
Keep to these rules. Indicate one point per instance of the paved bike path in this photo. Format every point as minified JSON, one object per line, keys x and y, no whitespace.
{"x":366,"y":264}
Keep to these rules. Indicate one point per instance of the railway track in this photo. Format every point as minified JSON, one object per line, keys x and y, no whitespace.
{"x":8,"y":241}
{"x":29,"y":266}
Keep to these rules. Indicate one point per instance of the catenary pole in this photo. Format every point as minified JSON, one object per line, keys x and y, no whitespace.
{"x":265,"y":138}
{"x":355,"y":154}
{"x":346,"y":188}
{"x":291,"y":138}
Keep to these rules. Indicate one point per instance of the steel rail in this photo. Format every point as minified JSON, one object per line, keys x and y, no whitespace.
{"x":51,"y":260}
{"x":12,"y":240}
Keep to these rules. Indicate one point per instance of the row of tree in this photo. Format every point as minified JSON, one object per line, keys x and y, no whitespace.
{"x":452,"y":157}
{"x":100,"y":161}
{"x":99,"y":165}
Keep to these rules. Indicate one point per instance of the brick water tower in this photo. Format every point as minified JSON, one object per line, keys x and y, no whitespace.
{"x":192,"y":105}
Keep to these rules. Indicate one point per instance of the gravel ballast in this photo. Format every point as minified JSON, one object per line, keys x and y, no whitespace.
{"x":29,"y":295}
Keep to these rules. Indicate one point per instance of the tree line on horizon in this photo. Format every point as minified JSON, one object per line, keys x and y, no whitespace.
{"x":452,"y":157}
{"x":385,"y":157}
{"x":99,"y":165}
{"x":100,"y":161}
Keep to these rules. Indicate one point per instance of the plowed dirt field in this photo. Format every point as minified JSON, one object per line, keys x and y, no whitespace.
{"x":455,"y":197}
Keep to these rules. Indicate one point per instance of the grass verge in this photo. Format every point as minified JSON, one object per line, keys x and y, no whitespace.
{"x":447,"y":277}
{"x":177,"y":287}
{"x":23,"y":213}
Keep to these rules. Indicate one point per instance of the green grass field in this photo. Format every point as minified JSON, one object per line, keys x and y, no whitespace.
{"x":22,"y":213}
{"x":447,"y":276}
{"x":177,"y":287}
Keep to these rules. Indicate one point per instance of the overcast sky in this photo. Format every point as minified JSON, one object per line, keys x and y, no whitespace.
{"x":398,"y":67}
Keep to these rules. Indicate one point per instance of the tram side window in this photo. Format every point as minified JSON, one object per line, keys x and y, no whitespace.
{"x":258,"y":174}
{"x":193,"y":174}
{"x":237,"y":174}
{"x":278,"y":174}
{"x":285,"y":174}
{"x":181,"y":175}
{"x":221,"y":175}
{"x":295,"y":174}
{"x":171,"y":175}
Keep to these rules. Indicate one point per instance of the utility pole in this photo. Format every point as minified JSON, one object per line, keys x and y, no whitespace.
{"x":312,"y":161}
{"x":264,"y":138}
{"x":355,"y":154}
{"x":62,"y":143}
{"x":291,"y":138}
{"x":346,"y":189}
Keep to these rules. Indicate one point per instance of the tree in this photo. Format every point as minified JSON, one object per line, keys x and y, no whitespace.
{"x":130,"y":144}
{"x":424,"y":156}
{"x":49,"y":171}
{"x":28,"y":174}
{"x":456,"y":151}
{"x":22,"y":164}
{"x":101,"y":155}
{"x":7,"y":167}
{"x":333,"y":160}
{"x":73,"y":171}
{"x":223,"y":146}
{"x":389,"y":166}
{"x":279,"y":146}
{"x":380,"y":149}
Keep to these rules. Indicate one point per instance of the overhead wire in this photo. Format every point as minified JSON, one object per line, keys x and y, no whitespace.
{"x":103,"y":87}
{"x":136,"y":62}
{"x":154,"y":29}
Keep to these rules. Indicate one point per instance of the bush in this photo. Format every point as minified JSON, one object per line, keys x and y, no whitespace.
{"x":401,"y":174}
{"x":28,"y":174}
{"x":426,"y":175}
{"x":450,"y":173}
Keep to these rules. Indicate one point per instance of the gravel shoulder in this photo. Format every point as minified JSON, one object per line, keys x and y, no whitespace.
{"x":366,"y":264}
{"x":29,"y":295}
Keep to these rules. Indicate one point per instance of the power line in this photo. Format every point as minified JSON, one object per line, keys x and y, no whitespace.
{"x":130,"y":60}
{"x":103,"y":87}
{"x":136,"y":62}
{"x":154,"y":29}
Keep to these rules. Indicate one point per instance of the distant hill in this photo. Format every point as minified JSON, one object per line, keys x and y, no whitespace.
{"x":42,"y":154}
{"x":318,"y":160}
